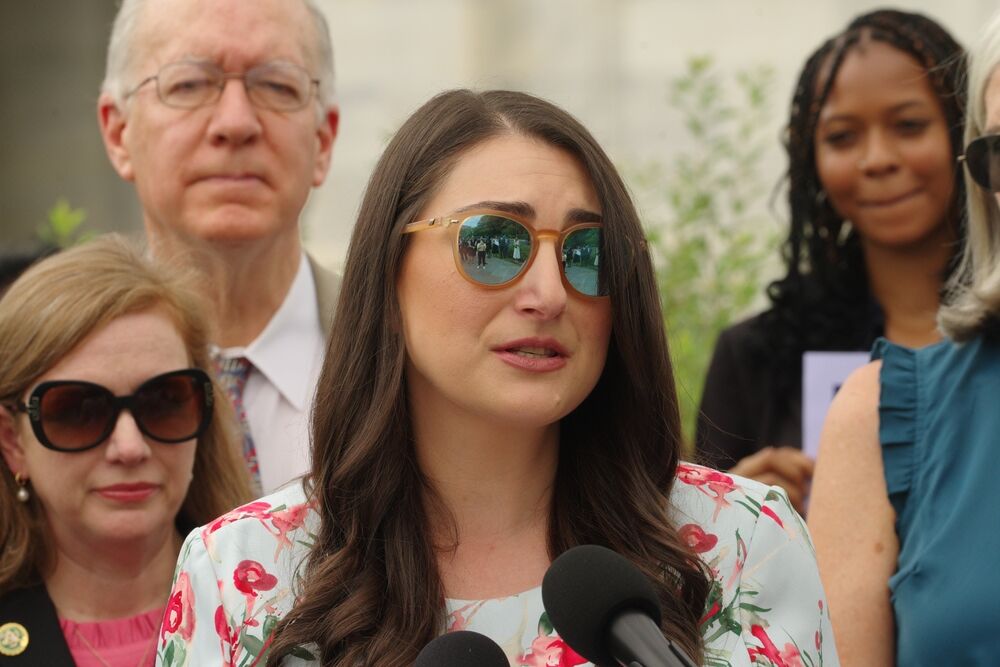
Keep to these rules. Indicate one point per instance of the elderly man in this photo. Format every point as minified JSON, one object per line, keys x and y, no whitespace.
{"x":221,"y":114}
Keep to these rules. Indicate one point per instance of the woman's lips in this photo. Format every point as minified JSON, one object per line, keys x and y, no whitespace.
{"x":538,"y":355}
{"x":128,"y":493}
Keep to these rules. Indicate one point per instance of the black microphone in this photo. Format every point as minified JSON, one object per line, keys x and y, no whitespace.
{"x":606,"y":609}
{"x":462,"y":648}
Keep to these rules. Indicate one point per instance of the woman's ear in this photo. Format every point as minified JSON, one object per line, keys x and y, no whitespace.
{"x":10,"y":441}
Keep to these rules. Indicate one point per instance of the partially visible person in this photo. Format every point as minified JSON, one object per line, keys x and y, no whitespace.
{"x":473,"y":425}
{"x":222,"y":115}
{"x":113,"y":447}
{"x":905,"y":497}
{"x":875,"y":201}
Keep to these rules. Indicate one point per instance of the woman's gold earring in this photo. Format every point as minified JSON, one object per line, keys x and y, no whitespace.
{"x":23,"y":494}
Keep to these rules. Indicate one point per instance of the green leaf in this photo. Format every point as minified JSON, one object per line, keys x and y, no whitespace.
{"x":545,"y":625}
{"x":302,"y":654}
{"x":270,"y":621}
{"x":253,"y":645}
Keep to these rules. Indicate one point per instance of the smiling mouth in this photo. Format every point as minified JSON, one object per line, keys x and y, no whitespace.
{"x":880,"y":203}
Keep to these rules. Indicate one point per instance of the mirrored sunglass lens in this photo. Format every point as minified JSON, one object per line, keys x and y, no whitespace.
{"x":581,"y":253}
{"x":170,"y":408}
{"x":493,"y":249}
{"x":75,"y":416}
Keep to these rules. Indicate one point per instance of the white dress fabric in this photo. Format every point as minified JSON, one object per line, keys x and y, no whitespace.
{"x":236,"y":578}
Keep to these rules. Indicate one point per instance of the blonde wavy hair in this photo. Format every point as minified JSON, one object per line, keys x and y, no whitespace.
{"x":974,"y":291}
{"x":50,"y":310}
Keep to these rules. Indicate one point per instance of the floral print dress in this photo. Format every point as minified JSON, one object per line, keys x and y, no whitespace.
{"x":236,"y":578}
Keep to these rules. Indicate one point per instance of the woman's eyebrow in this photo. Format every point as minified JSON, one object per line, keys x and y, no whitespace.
{"x":518,"y":208}
{"x":583,"y":215}
{"x":527,"y":211}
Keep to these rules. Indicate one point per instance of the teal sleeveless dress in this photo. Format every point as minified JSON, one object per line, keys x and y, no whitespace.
{"x":939,"y":426}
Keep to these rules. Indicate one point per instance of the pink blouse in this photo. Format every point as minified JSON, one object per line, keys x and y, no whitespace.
{"x":121,"y":642}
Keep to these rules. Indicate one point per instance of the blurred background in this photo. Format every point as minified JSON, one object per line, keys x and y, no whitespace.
{"x":689,"y":99}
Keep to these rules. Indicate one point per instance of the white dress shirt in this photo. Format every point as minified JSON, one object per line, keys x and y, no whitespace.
{"x":287,"y":357}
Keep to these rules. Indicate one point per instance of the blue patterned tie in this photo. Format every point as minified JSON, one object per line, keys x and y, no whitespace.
{"x":233,"y":373}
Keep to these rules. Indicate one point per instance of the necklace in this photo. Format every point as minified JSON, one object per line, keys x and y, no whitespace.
{"x":93,"y":651}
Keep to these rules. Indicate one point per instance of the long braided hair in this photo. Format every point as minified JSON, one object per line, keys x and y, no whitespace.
{"x":823,"y":301}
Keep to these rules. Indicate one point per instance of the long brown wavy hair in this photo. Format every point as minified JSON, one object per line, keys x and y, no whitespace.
{"x":44,"y":316}
{"x":370,"y":591}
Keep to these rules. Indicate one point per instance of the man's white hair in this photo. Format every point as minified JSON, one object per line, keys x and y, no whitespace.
{"x":122,"y":51}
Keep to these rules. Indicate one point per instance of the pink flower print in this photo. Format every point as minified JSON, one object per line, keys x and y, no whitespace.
{"x":226,"y":633}
{"x":461,"y":617}
{"x":710,"y":613}
{"x":250,"y":577}
{"x":696,"y":538}
{"x":789,"y":656}
{"x":770,"y":512}
{"x":547,"y":651}
{"x":712,"y":483}
{"x":285,"y":521}
{"x":228,"y":636}
{"x":741,"y":560}
{"x":256,"y":509}
{"x":179,"y":614}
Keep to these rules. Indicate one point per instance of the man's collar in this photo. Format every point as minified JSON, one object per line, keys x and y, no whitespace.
{"x":284,"y":352}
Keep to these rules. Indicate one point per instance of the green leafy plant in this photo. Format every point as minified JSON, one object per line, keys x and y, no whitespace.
{"x":63,"y":226}
{"x":709,"y":231}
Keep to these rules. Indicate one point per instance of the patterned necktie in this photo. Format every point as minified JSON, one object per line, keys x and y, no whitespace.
{"x":232,"y":373}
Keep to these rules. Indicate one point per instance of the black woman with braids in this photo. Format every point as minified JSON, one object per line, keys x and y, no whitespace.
{"x":875,"y":202}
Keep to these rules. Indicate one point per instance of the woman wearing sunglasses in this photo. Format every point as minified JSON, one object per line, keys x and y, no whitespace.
{"x":905,"y":497}
{"x":113,"y":448}
{"x":875,"y":206}
{"x":474,"y":422}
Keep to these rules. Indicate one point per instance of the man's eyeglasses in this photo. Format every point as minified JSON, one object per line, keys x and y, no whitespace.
{"x":73,"y":416}
{"x":982,"y":159}
{"x":275,"y":86}
{"x":493,"y":250}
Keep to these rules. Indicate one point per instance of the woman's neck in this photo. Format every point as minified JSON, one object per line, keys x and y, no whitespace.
{"x":113,"y":581}
{"x":493,"y":486}
{"x":907,"y":285}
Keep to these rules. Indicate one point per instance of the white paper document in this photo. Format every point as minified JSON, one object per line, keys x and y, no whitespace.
{"x":822,"y":375}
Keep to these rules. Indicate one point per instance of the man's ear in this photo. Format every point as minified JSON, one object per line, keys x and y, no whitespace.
{"x":112,"y":121}
{"x":326,"y":134}
{"x":10,"y":442}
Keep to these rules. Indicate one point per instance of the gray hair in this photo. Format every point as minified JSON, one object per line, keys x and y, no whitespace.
{"x":974,"y":290}
{"x":121,"y":51}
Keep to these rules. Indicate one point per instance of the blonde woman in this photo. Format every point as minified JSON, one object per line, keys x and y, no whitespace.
{"x":112,"y":449}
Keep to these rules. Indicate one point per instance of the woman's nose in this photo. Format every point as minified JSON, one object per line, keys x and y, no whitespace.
{"x":541,"y":292}
{"x":127,"y":444}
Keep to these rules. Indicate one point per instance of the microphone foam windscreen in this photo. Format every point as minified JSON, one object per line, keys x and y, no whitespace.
{"x":585,"y":588}
{"x":462,"y":648}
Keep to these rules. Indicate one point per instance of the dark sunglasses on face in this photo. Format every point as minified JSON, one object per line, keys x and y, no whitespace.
{"x":493,"y":250}
{"x":73,"y":416}
{"x":982,"y":159}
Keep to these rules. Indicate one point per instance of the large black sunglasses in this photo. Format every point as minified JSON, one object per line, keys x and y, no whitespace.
{"x":73,"y":415}
{"x":982,"y":159}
